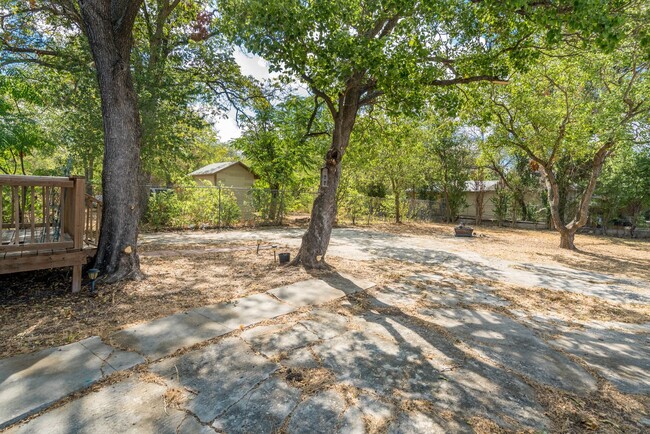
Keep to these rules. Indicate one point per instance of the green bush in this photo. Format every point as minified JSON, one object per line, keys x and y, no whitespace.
{"x":163,"y":209}
{"x":193,"y":207}
{"x":268,"y":204}
{"x":500,"y":202}
{"x":355,"y":205}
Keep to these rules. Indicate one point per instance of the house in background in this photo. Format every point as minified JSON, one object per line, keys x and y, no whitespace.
{"x":479,"y":204}
{"x":233,"y":174}
{"x":477,"y":192}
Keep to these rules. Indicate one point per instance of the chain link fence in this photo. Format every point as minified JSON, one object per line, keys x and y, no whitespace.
{"x":202,"y":207}
{"x":205,"y":207}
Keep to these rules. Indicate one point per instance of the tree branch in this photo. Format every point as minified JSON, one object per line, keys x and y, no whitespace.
{"x":321,"y":94}
{"x":466,"y":80}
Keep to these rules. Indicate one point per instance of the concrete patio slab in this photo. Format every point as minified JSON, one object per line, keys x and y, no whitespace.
{"x":263,"y":410}
{"x":164,"y":336}
{"x":245,"y":311}
{"x":417,"y":422}
{"x":326,"y":325}
{"x":276,"y":340}
{"x":623,"y":358}
{"x":400,"y":358}
{"x":31,"y":382}
{"x":220,"y":375}
{"x":117,"y":359}
{"x":404,"y":294}
{"x":514,"y":346}
{"x":322,"y":412}
{"x":308,"y":292}
{"x":129,"y":407}
{"x":347,"y":283}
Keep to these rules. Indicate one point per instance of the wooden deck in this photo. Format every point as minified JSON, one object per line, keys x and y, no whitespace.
{"x":47,"y":222}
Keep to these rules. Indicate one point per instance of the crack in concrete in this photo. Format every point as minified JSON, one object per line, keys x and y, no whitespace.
{"x":247,"y":393}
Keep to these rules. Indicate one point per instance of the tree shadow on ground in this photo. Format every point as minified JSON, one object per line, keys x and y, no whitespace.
{"x":416,"y":359}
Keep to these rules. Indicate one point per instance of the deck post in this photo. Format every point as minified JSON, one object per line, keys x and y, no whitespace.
{"x":77,"y":229}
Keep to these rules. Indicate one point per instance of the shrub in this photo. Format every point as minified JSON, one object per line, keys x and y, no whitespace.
{"x":163,"y":209}
{"x":354,"y":204}
{"x":193,"y":206}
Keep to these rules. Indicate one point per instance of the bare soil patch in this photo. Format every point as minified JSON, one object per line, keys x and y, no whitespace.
{"x":617,"y":256}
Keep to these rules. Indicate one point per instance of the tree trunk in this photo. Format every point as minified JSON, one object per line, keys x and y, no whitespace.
{"x":567,"y":239}
{"x":316,"y":239}
{"x":636,"y":211}
{"x":273,"y":206}
{"x":447,"y":207}
{"x":108,"y":26}
{"x":479,"y":207}
{"x":398,"y":216}
{"x":568,"y":231}
{"x":522,"y":205}
{"x":398,"y":211}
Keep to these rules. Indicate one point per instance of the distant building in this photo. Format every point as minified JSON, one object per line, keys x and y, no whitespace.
{"x":482,"y":193}
{"x":233,"y":175}
{"x":229,"y":174}
{"x":477,"y":192}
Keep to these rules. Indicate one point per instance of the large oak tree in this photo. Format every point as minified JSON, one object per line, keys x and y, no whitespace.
{"x":571,"y":111}
{"x":150,"y":59}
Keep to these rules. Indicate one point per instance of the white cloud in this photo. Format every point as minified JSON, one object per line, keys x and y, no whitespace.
{"x":253,"y":65}
{"x":227,"y":128}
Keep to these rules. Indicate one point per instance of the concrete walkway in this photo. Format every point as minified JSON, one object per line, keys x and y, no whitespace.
{"x":30,"y":383}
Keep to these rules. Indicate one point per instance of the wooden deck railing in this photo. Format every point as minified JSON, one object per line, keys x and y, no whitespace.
{"x":94,"y":210}
{"x":41,"y":213}
{"x":43,"y":224}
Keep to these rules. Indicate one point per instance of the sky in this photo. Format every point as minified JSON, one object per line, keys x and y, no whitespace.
{"x":258,"y":68}
{"x":250,"y":65}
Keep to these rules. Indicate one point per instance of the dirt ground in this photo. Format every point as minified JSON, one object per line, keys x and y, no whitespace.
{"x":617,"y":256}
{"x":37,"y":311}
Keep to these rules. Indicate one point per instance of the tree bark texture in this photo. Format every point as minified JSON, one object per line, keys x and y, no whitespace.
{"x":567,"y":239}
{"x":108,"y":26}
{"x":323,"y":215}
{"x":568,"y":230}
{"x":480,"y":196}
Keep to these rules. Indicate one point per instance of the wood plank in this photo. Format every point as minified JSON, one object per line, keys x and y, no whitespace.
{"x":28,"y":181}
{"x":79,"y":193}
{"x":62,"y":211}
{"x":76,"y":278}
{"x":16,"y":205}
{"x":43,"y":262}
{"x":98,"y":221}
{"x":46,"y":212}
{"x":44,"y":257}
{"x":23,"y":225}
{"x":37,"y":246}
{"x":89,"y":210}
{"x":32,"y":214}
